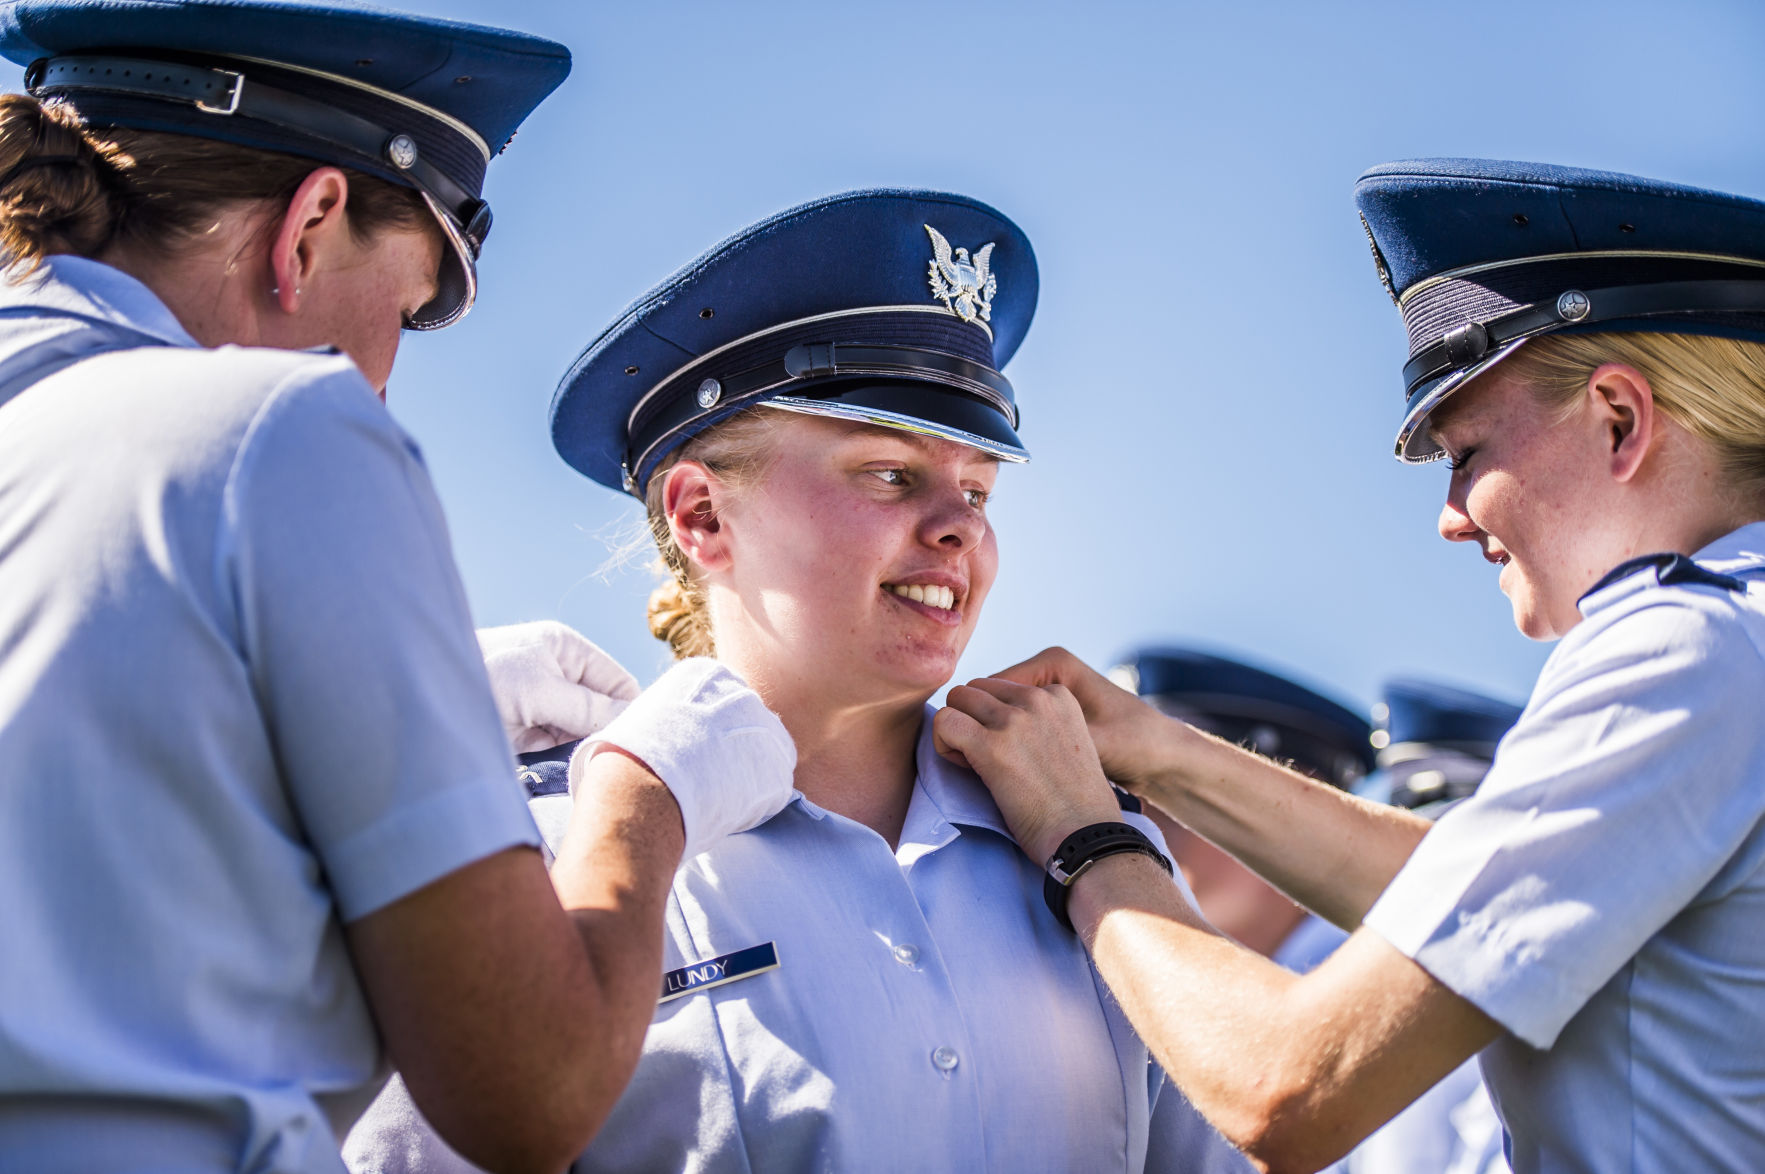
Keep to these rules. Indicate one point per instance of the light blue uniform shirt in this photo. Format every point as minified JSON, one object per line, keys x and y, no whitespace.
{"x":240,"y":704}
{"x":1602,"y":895}
{"x":927,"y":1014}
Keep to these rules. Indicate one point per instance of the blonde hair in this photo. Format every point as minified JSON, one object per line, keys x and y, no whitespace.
{"x":66,"y":189}
{"x":1712,"y":387}
{"x":739,"y":451}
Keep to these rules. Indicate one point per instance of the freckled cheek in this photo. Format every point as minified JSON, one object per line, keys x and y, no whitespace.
{"x":983,"y":570}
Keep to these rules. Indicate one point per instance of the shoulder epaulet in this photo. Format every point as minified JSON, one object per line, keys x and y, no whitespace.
{"x":1670,"y":570}
{"x":546,"y":772}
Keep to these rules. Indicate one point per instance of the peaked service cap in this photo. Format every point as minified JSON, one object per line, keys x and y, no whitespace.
{"x":417,"y":101}
{"x":886,"y":306}
{"x":1436,"y":741}
{"x":1482,"y":254}
{"x":1254,"y":707}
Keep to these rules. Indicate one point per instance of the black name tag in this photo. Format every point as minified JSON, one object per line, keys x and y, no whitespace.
{"x":702,"y":976}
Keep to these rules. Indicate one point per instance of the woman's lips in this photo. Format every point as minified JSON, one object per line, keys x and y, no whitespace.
{"x":925,"y":605}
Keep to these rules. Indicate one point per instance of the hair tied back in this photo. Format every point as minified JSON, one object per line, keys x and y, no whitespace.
{"x":23,"y":165}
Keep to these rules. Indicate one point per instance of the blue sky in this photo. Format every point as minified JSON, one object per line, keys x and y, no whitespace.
{"x":1212,"y":383}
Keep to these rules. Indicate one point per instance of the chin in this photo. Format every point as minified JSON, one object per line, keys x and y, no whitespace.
{"x":1535,"y":621}
{"x":919,"y":670}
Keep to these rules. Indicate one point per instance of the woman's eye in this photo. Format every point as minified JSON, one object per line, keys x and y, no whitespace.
{"x":978,"y":497}
{"x":1455,"y":463}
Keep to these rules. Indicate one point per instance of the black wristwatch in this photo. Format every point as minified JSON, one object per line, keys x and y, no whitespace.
{"x":1084,"y":848}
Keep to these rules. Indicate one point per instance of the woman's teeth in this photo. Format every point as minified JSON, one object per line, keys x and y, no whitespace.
{"x":942,"y":597}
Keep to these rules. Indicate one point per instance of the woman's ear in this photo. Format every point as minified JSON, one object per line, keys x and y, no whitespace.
{"x":1624,"y":406}
{"x":310,"y":226}
{"x":692,"y":496}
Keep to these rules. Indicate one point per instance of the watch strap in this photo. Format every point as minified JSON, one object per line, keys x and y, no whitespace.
{"x":1085,"y":847}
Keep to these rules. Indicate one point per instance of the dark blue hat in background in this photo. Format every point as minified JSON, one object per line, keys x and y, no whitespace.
{"x":1255,"y":708}
{"x":888,"y":307}
{"x":419,"y":102}
{"x":1481,"y":255}
{"x":1436,"y":741}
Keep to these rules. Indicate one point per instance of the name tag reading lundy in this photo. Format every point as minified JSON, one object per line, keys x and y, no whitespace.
{"x":702,"y":976}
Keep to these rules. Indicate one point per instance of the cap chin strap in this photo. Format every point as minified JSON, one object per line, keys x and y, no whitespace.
{"x":1467,"y":345}
{"x":807,"y":365}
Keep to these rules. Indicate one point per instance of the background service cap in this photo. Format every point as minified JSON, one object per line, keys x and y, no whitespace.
{"x":889,"y":307}
{"x":1482,"y":254}
{"x":1255,"y":708}
{"x":1436,"y":741}
{"x":420,"y":102}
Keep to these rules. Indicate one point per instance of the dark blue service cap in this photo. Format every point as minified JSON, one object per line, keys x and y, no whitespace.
{"x":420,"y":102}
{"x":1482,"y":254}
{"x":888,"y":307}
{"x":1259,"y":709}
{"x":1418,"y":711}
{"x":1436,"y":741}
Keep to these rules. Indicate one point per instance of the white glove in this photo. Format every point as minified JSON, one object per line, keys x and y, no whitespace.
{"x":727,"y":758}
{"x":551,"y":684}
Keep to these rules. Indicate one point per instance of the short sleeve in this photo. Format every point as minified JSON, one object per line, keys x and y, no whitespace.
{"x":354,"y":625}
{"x":1612,"y":804}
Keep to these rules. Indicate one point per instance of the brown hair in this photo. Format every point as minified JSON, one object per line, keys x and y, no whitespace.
{"x":1712,"y":387}
{"x":64,"y":188}
{"x":739,"y":452}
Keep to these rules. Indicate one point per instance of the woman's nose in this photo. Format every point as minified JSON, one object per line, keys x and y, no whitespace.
{"x":1455,"y":524}
{"x":956,"y":523}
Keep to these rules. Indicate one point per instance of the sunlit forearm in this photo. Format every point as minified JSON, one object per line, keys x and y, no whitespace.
{"x":1332,"y":852}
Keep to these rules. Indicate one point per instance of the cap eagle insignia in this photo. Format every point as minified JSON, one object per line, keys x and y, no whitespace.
{"x":965,"y":285}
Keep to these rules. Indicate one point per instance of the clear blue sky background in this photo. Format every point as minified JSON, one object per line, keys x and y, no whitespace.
{"x":1212,"y":383}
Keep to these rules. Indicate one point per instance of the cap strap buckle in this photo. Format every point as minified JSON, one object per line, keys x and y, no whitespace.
{"x":235,"y":88}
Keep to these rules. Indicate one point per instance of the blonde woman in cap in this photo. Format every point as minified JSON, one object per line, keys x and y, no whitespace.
{"x":1588,"y":351}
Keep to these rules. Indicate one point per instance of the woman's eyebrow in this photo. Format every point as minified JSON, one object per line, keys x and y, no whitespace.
{"x":915,"y":440}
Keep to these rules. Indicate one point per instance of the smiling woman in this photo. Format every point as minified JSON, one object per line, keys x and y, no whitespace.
{"x":869,"y":979}
{"x":1586,"y":349}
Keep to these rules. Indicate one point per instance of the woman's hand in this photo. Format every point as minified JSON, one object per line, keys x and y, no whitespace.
{"x":1131,"y":737}
{"x":552,"y":685}
{"x":727,"y":759}
{"x":1029,"y":745}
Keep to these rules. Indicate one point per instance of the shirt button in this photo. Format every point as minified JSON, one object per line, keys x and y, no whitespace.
{"x":906,"y":953}
{"x":944,"y":1059}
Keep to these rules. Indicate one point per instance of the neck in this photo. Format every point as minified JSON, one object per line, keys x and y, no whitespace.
{"x":213,"y":290}
{"x":854,"y":758}
{"x":1686,"y":502}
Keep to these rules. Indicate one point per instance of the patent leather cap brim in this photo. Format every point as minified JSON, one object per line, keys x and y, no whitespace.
{"x":921,"y":408}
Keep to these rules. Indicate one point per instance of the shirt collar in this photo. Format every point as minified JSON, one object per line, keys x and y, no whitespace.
{"x":1736,"y":552}
{"x":958,"y":794}
{"x":76,"y":287}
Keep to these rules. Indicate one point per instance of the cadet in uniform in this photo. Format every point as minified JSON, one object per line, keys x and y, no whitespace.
{"x":1279,"y":719}
{"x":255,"y":815}
{"x":814,"y":414}
{"x":1586,"y":350}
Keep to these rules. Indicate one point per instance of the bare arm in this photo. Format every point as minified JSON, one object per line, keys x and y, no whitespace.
{"x":1294,"y":1070}
{"x":516,"y":1025}
{"x":1332,"y":852}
